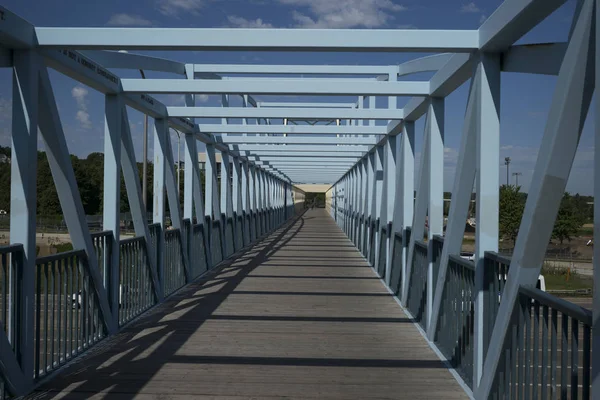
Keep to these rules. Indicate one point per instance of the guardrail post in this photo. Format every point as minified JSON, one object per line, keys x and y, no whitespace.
{"x":487,"y":191}
{"x":112,"y":194}
{"x":23,"y":187}
{"x":435,"y":191}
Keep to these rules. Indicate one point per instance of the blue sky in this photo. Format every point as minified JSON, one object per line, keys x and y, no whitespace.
{"x":525,"y":98}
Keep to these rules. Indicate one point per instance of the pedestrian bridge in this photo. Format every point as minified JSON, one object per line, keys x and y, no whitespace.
{"x":299,"y":314}
{"x":239,"y":291}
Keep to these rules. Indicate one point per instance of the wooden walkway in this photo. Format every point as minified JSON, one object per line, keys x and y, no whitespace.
{"x":300,"y":315}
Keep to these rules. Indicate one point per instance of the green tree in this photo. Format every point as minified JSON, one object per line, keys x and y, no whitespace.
{"x":568,"y":220}
{"x":512,"y":204}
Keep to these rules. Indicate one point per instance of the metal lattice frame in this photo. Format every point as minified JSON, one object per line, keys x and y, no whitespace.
{"x":370,"y":166}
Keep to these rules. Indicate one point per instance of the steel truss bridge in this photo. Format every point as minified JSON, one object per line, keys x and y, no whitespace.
{"x":248,"y":294}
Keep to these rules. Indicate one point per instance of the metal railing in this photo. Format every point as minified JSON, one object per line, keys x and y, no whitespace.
{"x":102,"y":242}
{"x":11,"y":267}
{"x":216,"y":247}
{"x":495,"y":274}
{"x":228,"y":245}
{"x":383,"y":246}
{"x":174,"y":270}
{"x":67,"y":316}
{"x":454,"y":335}
{"x":198,"y":258}
{"x":239,"y":231}
{"x":417,"y":295}
{"x":547,"y":350}
{"x":136,"y":294}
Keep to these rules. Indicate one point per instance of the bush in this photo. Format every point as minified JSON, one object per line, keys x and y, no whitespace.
{"x":63,"y":247}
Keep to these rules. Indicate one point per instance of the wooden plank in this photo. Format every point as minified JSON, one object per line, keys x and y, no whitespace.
{"x":300,"y":315}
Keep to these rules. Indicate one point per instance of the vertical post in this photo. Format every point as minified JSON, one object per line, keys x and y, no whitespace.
{"x":418,"y":224}
{"x":226,"y":203}
{"x":388,"y":200}
{"x":377,"y":164}
{"x":211,"y":205}
{"x":158,"y":210}
{"x":237,"y":204}
{"x":404,"y":205}
{"x":487,"y":191}
{"x":112,"y":195}
{"x":566,"y":117}
{"x":435,"y":123}
{"x":23,"y":187}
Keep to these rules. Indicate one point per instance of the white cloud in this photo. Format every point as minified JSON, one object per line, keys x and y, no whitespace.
{"x":128,"y":20}
{"x":80,"y":93}
{"x":84,"y":119}
{"x":470,"y":8}
{"x":343,"y":13}
{"x":173,"y":8}
{"x":5,"y":109}
{"x":202,"y":98}
{"x":240,"y":22}
{"x":482,"y":18}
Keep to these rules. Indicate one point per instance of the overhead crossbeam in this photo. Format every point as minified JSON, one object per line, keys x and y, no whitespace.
{"x":293,"y":129}
{"x":272,"y":112}
{"x":273,"y":86}
{"x":380,"y":40}
{"x":313,"y":140}
{"x":261,"y":148}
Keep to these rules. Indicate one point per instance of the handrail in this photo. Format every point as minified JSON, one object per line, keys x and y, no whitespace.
{"x":9,"y":248}
{"x":101,"y":233}
{"x":571,"y":309}
{"x":60,"y":256}
{"x":494,"y":256}
{"x":131,"y":240}
{"x":470,"y":265}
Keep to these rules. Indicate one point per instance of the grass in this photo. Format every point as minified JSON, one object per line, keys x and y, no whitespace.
{"x":563,"y":278}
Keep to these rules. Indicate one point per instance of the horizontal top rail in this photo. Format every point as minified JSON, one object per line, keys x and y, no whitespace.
{"x":102,"y":233}
{"x":438,"y":238}
{"x":492,"y":255}
{"x":60,"y":256}
{"x":470,"y":265}
{"x":9,"y":248}
{"x":421,"y":244}
{"x":571,"y":309}
{"x":132,"y":240}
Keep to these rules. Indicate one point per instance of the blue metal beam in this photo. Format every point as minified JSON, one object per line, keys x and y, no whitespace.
{"x":273,"y":86}
{"x":292,"y":113}
{"x":259,"y":39}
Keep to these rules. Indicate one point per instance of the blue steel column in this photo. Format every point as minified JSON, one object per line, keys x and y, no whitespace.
{"x":253,"y":202}
{"x":226,"y":204}
{"x":487,"y":195}
{"x":369,"y":209}
{"x":435,"y":190}
{"x":363,"y":204}
{"x":404,"y":205}
{"x":387,"y":200}
{"x":377,"y":161}
{"x":566,"y":118}
{"x":158,"y":208}
{"x":23,"y":187}
{"x":420,"y":214}
{"x":211,"y":204}
{"x":246,"y":204}
{"x":113,"y":106}
{"x":238,"y":242}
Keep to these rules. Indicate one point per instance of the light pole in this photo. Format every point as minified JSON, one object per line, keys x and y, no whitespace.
{"x":507,"y":162}
{"x":516,"y":175}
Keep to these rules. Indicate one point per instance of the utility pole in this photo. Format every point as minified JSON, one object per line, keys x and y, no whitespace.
{"x":507,"y":162}
{"x":516,"y":175}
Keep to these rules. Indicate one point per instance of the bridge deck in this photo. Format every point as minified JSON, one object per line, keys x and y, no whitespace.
{"x":300,"y":315}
